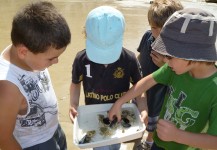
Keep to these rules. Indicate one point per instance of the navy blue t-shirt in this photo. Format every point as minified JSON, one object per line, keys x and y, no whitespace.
{"x":155,"y":95}
{"x":105,"y":84}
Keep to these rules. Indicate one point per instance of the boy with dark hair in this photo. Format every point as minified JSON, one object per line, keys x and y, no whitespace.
{"x":159,"y":11}
{"x":188,"y":115}
{"x":28,"y":105}
{"x":105,"y":68}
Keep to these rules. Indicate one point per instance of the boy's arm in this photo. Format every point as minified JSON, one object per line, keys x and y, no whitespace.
{"x":140,"y":87}
{"x":74,"y":100}
{"x":10,"y":103}
{"x":167,"y":131}
{"x":141,"y":102}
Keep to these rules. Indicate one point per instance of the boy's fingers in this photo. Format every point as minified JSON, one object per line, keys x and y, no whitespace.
{"x":110,"y":115}
{"x":119,"y":118}
{"x":72,"y":114}
{"x":71,"y":117}
{"x":113,"y":116}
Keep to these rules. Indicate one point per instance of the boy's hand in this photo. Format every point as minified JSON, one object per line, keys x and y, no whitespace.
{"x":166,"y":130}
{"x":72,"y":114}
{"x":144,"y":117}
{"x":115,"y":111}
{"x":157,"y":58}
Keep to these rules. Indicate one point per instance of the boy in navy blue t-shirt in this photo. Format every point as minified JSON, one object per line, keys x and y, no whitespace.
{"x":150,"y":61}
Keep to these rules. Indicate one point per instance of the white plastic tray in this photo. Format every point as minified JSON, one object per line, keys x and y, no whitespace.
{"x":88,"y":120}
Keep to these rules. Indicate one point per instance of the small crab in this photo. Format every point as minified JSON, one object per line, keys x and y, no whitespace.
{"x":131,"y":118}
{"x":105,"y":131}
{"x":113,"y":123}
{"x":104,"y":121}
{"x":125,"y":123}
{"x":125,"y":113}
{"x":100,"y":117}
{"x":129,"y":115}
{"x":87,"y":137}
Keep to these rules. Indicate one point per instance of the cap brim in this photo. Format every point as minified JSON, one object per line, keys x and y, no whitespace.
{"x":174,"y":48}
{"x":107,"y":55}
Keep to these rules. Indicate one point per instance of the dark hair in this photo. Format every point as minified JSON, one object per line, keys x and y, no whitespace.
{"x":161,"y":10}
{"x":39,"y":26}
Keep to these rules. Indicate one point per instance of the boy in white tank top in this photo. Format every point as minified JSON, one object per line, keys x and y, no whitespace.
{"x":28,"y":104}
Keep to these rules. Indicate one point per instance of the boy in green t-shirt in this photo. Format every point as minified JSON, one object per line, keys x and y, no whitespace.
{"x":188,"y":116}
{"x":150,"y":61}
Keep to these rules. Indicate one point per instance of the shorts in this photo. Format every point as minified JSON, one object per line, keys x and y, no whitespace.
{"x":155,"y":99}
{"x":155,"y":147}
{"x":109,"y":147}
{"x":57,"y":142}
{"x":152,"y":124}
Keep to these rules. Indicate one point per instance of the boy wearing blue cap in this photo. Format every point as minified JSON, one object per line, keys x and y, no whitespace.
{"x":105,"y":68}
{"x":188,"y":116}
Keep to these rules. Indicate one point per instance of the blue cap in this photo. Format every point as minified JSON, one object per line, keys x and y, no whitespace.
{"x":104,"y":29}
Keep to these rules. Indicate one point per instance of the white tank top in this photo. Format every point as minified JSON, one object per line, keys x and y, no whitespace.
{"x":40,"y":122}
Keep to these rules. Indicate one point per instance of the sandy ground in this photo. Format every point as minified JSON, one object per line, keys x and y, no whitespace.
{"x":75,"y":12}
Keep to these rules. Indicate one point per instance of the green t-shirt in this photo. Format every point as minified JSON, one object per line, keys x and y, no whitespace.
{"x":189,"y":103}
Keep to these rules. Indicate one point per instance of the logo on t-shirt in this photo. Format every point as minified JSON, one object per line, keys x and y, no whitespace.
{"x":182,"y":115}
{"x":119,"y":73}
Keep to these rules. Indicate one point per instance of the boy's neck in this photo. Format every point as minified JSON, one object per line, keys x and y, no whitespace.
{"x":202,"y":70}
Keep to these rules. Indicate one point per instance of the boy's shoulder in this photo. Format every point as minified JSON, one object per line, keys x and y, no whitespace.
{"x":127,"y":54}
{"x":214,"y":81}
{"x":146,"y":40}
{"x":148,"y":35}
{"x":5,"y":66}
{"x":9,"y":91}
{"x":81,"y":58}
{"x":81,"y":54}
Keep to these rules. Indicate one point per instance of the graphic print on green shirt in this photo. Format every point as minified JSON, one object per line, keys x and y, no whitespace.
{"x":175,"y":109}
{"x":189,"y":103}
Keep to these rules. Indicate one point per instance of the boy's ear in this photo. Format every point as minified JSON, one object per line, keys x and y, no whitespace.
{"x":22,"y":50}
